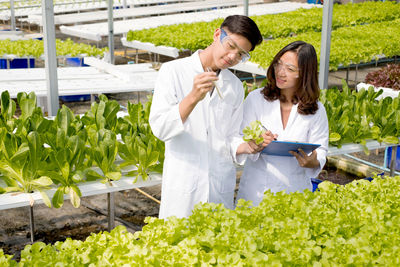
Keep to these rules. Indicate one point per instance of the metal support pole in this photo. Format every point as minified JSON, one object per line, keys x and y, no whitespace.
{"x":246,"y":7}
{"x":356,"y":74}
{"x":12,"y":17}
{"x":31,"y":223}
{"x":111,"y":211}
{"x":393,"y":161}
{"x":50,"y":56}
{"x":325,"y":44}
{"x":111,"y":31}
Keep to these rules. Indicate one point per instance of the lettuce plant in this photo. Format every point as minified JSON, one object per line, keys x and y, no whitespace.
{"x":352,"y":225}
{"x":253,"y":132}
{"x":388,"y":76}
{"x":139,"y":147}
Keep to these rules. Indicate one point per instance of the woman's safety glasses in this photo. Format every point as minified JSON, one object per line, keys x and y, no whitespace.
{"x":288,"y":68}
{"x":231,"y":47}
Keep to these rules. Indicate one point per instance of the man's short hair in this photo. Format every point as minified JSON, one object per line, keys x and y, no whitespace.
{"x":244,"y":26}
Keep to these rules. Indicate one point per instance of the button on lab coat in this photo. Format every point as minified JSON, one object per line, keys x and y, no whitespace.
{"x":262,"y":172}
{"x":200,"y":153}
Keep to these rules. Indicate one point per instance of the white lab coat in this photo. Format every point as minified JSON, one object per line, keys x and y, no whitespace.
{"x":262,"y":172}
{"x":200,"y":153}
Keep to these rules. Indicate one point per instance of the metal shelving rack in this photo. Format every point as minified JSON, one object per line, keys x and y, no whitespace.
{"x":16,"y":200}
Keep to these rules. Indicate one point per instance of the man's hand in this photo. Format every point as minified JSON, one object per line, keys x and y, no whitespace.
{"x":202,"y":84}
{"x":304,"y":160}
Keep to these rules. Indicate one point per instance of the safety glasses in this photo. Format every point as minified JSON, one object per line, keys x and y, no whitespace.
{"x":230,"y":46}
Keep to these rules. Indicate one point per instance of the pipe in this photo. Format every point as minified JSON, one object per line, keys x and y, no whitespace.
{"x":371,"y":164}
{"x":355,"y":168}
{"x":147,"y":195}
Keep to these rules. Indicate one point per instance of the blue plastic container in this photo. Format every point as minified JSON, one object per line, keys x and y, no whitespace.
{"x":315,"y":182}
{"x":75,"y":62}
{"x":314,"y":2}
{"x":17,"y":63}
{"x":388,"y":157}
{"x":75,"y":98}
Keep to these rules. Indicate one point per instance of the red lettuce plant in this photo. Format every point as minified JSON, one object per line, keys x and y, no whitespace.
{"x":388,"y":77}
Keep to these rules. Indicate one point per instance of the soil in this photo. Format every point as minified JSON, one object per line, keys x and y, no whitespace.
{"x":52,"y":225}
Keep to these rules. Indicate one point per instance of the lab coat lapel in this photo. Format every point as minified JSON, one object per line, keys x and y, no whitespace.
{"x":292,"y":117}
{"x":198,"y":68}
{"x":284,"y":133}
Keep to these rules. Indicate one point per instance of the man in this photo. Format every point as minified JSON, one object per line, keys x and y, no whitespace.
{"x":197,"y":111}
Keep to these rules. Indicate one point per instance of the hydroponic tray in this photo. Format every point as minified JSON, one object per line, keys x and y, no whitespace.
{"x":96,"y":31}
{"x":15,"y":200}
{"x":131,"y":12}
{"x":351,"y":148}
{"x":96,"y":79}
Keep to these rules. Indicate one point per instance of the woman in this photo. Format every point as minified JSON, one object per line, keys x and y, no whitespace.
{"x":288,"y":107}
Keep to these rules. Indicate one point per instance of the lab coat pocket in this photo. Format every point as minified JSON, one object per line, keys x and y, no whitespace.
{"x":225,"y":180}
{"x":183,"y":174}
{"x":298,"y":179}
{"x":223,"y":117}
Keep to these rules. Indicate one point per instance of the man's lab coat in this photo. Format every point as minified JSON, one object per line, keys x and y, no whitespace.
{"x":200,"y":153}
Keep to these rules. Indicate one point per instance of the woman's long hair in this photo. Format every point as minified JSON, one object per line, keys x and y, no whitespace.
{"x":307,"y":92}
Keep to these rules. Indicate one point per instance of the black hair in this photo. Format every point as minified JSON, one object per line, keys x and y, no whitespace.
{"x":307,"y":93}
{"x":244,"y":26}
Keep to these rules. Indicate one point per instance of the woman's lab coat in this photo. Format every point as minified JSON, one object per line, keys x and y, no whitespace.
{"x":262,"y":172}
{"x":200,"y":153}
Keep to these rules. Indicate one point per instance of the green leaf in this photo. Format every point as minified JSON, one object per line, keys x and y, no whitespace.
{"x":92,"y":175}
{"x":42,"y":181}
{"x":58,"y":198}
{"x":21,"y":153}
{"x":65,"y":168}
{"x":74,"y":195}
{"x":45,"y":198}
{"x":78,"y":177}
{"x":64,"y":119}
{"x":391,"y":140}
{"x":334,"y":137}
{"x":113,"y":176}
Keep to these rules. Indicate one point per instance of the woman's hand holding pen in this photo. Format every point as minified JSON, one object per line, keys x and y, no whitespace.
{"x":251,"y":146}
{"x":268,"y":137}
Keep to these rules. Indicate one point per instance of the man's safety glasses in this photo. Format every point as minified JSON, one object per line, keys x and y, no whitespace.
{"x":230,"y":46}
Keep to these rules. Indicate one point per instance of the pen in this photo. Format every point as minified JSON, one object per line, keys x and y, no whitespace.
{"x":265,"y":129}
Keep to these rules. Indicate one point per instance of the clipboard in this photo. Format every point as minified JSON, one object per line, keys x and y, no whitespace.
{"x":282,"y":148}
